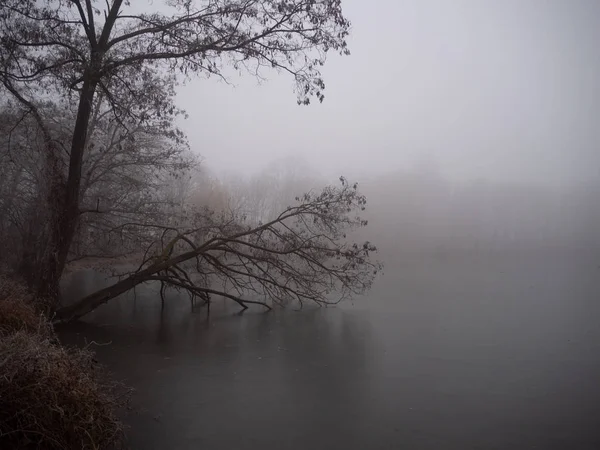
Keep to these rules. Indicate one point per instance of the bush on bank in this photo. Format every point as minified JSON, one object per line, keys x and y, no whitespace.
{"x":51,"y":397}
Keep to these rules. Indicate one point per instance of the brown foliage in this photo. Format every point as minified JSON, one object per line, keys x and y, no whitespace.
{"x":51,"y":397}
{"x":18,"y":311}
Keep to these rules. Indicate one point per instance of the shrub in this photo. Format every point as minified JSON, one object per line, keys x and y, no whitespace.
{"x":17,"y":310}
{"x":51,"y":397}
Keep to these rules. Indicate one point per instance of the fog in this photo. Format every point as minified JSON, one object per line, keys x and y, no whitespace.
{"x":503,"y":91}
{"x":468,"y":124}
{"x":471,"y":126}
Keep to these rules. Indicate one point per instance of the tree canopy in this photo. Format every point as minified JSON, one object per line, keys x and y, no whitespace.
{"x":132,"y":55}
{"x":95,"y":81}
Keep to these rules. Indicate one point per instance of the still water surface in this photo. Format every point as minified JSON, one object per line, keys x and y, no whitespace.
{"x":445,"y":353}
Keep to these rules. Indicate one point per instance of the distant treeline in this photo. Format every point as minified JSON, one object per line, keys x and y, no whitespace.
{"x":424,"y":211}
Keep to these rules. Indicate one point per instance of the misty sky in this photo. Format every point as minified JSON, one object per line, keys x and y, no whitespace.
{"x":487,"y":89}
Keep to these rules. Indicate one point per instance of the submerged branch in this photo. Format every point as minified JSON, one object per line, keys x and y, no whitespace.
{"x":301,"y":255}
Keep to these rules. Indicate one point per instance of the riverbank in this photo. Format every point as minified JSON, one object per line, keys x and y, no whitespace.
{"x":51,"y":396}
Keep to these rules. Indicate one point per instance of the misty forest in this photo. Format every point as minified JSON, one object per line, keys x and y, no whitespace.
{"x":203,"y":246}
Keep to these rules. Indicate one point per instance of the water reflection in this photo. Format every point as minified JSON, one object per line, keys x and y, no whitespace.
{"x":476,"y":354}
{"x":280,"y":379}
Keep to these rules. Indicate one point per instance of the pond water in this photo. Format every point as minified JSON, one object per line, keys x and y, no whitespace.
{"x":444,"y":353}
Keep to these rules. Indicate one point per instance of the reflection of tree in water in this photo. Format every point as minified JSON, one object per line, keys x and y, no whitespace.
{"x":277,"y":377}
{"x":164,"y":331}
{"x":340,"y":382}
{"x":306,"y":373}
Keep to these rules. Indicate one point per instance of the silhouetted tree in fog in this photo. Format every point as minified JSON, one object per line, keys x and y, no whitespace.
{"x":301,"y":255}
{"x":69,"y":52}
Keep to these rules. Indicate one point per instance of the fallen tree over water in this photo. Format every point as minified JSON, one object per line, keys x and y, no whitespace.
{"x":302,"y":255}
{"x":113,"y":69}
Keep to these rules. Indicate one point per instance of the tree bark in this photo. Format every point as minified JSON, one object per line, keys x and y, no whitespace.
{"x":93,"y":301}
{"x":67,"y":223}
{"x":63,"y":202}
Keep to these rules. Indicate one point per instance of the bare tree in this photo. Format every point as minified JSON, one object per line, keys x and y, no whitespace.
{"x":301,"y":255}
{"x":24,"y":213}
{"x":70,"y":49}
{"x":128,"y":172}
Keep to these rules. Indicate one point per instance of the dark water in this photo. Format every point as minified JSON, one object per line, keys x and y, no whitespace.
{"x":445,"y":353}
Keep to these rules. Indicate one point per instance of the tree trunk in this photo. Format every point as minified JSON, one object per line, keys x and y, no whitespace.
{"x":37,"y":262}
{"x":66,"y":211}
{"x":63,"y":203}
{"x":93,"y":301}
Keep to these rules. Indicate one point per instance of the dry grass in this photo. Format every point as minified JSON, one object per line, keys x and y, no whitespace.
{"x":50,"y":397}
{"x":18,"y":311}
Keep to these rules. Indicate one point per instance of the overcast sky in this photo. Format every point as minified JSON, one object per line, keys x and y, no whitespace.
{"x":487,"y":89}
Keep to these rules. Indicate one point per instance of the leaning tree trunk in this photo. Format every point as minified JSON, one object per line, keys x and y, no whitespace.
{"x":151,"y":273}
{"x":93,"y":301}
